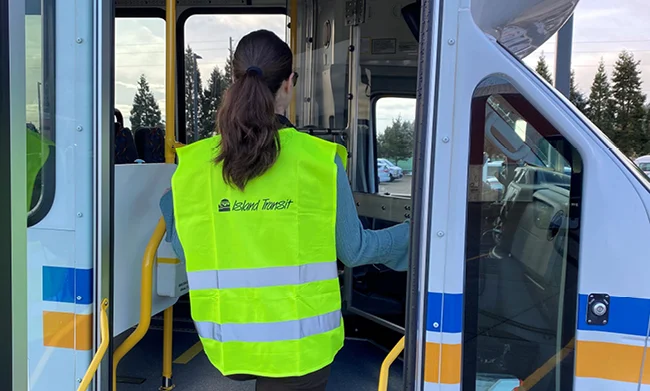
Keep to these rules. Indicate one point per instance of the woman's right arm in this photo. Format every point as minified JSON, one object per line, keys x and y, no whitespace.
{"x":356,"y":246}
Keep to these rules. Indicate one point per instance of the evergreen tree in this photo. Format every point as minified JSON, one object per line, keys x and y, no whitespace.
{"x":396,"y":143}
{"x":211,"y":101}
{"x":630,"y":135}
{"x":601,"y":105}
{"x":575,"y":95}
{"x":542,"y":69}
{"x":191,"y":95}
{"x":145,"y":111}
{"x":228,"y":76}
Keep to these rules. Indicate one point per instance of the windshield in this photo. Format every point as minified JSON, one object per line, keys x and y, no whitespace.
{"x":644,"y":166}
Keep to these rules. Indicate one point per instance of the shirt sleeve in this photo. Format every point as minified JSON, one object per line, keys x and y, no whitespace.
{"x":356,"y":246}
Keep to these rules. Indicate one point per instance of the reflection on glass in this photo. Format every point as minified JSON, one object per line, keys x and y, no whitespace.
{"x":39,"y":127}
{"x":521,"y":248}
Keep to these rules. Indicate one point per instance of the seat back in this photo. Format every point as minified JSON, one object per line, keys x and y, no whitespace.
{"x":150,"y":144}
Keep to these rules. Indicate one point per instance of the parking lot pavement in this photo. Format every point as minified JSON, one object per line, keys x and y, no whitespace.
{"x":399,"y":186}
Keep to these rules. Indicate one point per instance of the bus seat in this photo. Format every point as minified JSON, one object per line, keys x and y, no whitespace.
{"x":150,"y":143}
{"x":138,"y":188}
{"x":125,"y":151}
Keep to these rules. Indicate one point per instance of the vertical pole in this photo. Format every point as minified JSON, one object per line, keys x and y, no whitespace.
{"x":40,"y":110}
{"x":232,"y":72}
{"x":170,"y":157}
{"x":293,"y":11}
{"x":195,"y":136}
{"x":170,"y":81}
{"x":563,"y":58}
{"x":168,"y":329}
{"x":13,"y":211}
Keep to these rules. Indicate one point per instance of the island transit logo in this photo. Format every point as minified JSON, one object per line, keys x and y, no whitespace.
{"x":264,"y":204}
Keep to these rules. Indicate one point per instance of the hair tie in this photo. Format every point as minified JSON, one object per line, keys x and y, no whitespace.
{"x":254,"y":69}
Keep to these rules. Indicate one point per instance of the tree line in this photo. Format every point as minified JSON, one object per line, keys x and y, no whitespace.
{"x":200,"y":103}
{"x":617,"y":107}
{"x":615,"y":104}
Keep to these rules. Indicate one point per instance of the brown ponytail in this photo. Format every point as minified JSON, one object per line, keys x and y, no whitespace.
{"x":247,"y":121}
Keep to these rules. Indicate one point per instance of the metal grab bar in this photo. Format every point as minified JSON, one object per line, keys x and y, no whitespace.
{"x":145,"y":298}
{"x":103,"y":347}
{"x":385,"y":366}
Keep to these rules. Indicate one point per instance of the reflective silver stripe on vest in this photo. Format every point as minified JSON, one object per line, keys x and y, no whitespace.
{"x":269,"y":332}
{"x":262,"y":277}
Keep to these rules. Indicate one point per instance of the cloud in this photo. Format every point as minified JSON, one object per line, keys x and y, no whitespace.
{"x":601,"y":30}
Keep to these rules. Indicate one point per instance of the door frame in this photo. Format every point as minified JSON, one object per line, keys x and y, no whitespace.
{"x":103,"y":178}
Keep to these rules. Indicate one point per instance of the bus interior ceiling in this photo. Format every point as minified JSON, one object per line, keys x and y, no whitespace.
{"x":327,"y":105}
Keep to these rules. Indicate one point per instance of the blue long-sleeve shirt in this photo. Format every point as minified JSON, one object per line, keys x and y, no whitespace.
{"x":355,"y":246}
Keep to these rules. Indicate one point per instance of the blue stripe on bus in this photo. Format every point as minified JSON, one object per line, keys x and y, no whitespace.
{"x":627,"y":315}
{"x":67,"y":285}
{"x":452,"y":312}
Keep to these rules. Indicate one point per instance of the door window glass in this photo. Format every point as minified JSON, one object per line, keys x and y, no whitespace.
{"x":524,"y":189}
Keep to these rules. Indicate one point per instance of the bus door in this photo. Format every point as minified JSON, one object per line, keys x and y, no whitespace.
{"x":531,"y":268}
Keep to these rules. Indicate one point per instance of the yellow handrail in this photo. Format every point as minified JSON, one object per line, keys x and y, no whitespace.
{"x":385,"y":366}
{"x":546,"y":368}
{"x":170,"y":81}
{"x":103,"y":347}
{"x":145,"y":298}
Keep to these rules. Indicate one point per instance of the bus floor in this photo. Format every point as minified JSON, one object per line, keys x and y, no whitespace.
{"x":356,"y":367}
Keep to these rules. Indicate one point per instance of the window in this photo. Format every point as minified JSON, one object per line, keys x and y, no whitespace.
{"x":39,"y":93}
{"x":394,"y":129}
{"x":139,"y":89}
{"x":210,"y":42}
{"x":524,"y":188}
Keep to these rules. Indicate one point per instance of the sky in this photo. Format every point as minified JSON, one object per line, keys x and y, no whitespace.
{"x":602,"y":28}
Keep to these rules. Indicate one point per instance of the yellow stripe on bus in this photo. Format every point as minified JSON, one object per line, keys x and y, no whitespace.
{"x":611,"y":361}
{"x":447,"y":371}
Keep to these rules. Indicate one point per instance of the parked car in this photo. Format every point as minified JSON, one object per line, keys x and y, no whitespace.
{"x":384,"y":173}
{"x":394,"y":171}
{"x":644,"y":164}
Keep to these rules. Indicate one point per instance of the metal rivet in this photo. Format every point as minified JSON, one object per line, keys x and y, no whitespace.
{"x":451,"y":41}
{"x":78,"y":297}
{"x":80,"y":40}
{"x":588,"y":320}
{"x":79,"y":128}
{"x":441,"y":234}
{"x":445,"y":139}
{"x":79,"y":214}
{"x":78,"y":380}
{"x":436,"y":325}
{"x":604,"y":321}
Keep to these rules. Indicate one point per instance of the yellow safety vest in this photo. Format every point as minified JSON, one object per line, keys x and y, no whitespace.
{"x":261,"y":264}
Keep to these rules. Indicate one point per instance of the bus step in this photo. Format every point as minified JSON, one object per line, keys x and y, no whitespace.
{"x":130,"y":380}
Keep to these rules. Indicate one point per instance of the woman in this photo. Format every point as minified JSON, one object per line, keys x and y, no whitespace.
{"x":262,"y":212}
